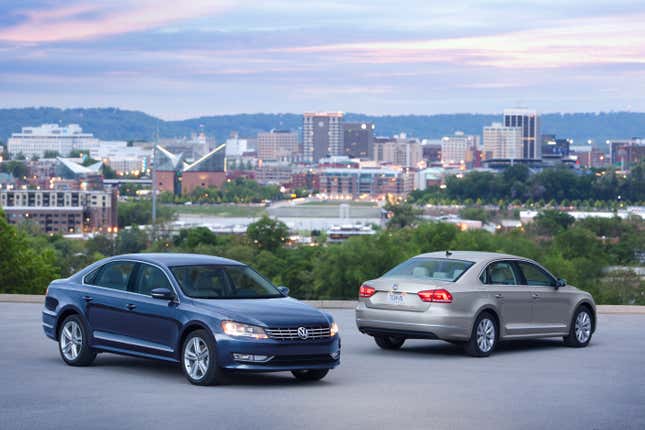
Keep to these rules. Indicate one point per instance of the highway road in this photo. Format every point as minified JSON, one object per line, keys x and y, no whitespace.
{"x":426,"y":385}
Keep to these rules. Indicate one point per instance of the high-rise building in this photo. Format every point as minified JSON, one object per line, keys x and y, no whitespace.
{"x":404,"y":154}
{"x":455,"y":148}
{"x":280,"y":145}
{"x":528,"y":121}
{"x":50,"y":137}
{"x":322,"y":135}
{"x":358,"y":139}
{"x":502,"y":142}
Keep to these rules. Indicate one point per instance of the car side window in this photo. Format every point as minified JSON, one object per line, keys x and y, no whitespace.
{"x":115,"y":275}
{"x":535,"y":275}
{"x":148,"y":278}
{"x":501,"y":273}
{"x":90,"y":278}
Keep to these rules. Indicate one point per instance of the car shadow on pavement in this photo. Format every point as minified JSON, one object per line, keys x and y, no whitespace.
{"x":440,"y":348}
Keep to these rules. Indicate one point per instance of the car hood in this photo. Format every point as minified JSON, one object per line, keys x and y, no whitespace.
{"x":278,"y":312}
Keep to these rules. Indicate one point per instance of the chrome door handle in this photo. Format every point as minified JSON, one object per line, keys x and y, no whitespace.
{"x":499,"y":296}
{"x":88,"y":298}
{"x":130,"y":306}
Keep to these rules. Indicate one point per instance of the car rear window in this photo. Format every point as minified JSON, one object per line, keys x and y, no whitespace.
{"x":440,"y":269}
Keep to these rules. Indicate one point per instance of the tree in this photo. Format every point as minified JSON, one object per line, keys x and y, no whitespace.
{"x":551,"y":222}
{"x":23,"y":269}
{"x":50,"y":153}
{"x":402,"y":215}
{"x":131,"y":240}
{"x":268,"y":233}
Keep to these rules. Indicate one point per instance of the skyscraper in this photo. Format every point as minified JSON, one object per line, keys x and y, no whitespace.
{"x":358,"y":139}
{"x":322,"y":135}
{"x":529,"y":122}
{"x":502,"y":142}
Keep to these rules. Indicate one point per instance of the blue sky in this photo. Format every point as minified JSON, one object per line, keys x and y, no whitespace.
{"x":179,"y":59}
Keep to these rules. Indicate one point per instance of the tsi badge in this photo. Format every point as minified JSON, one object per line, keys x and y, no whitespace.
{"x":303,"y":333}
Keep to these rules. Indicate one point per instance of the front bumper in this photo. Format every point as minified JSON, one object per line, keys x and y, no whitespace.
{"x":435,"y":323}
{"x":286,"y":355}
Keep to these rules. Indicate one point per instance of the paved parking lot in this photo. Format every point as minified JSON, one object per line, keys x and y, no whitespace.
{"x":428,"y":384}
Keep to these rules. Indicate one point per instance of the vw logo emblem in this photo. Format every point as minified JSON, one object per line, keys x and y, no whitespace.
{"x":303,"y":333}
{"x":395,"y":287}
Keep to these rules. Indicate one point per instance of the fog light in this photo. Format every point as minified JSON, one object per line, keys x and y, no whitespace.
{"x":252,"y":358}
{"x":335,"y":355}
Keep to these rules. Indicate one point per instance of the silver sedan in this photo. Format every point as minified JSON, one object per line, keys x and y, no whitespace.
{"x":473,"y":298}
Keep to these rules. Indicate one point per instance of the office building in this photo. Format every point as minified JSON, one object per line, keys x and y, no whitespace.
{"x":528,"y":121}
{"x":122,"y":157}
{"x":62,"y":211}
{"x":455,"y":148}
{"x":236,"y":146}
{"x":501,"y":142}
{"x":358,"y":139}
{"x":35,"y":141}
{"x":274,"y":172}
{"x":322,"y":135}
{"x":627,"y":152}
{"x":399,"y":150}
{"x":432,"y":152}
{"x":278,"y":145}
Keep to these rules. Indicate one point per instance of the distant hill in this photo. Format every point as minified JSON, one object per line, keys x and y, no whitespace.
{"x":118,"y":124}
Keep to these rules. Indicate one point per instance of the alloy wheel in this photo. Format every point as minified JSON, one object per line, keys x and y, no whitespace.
{"x":196,"y":358}
{"x":485,"y":335}
{"x":583,"y":327}
{"x":71,"y":340}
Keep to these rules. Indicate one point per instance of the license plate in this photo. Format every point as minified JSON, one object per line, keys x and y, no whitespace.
{"x":395,"y":298}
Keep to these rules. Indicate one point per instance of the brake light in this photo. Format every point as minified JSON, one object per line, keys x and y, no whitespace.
{"x":366,"y":291}
{"x":437,"y":296}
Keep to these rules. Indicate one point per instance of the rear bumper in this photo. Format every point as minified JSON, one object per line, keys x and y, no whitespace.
{"x":285,"y":356}
{"x":49,"y":323}
{"x":435,"y":323}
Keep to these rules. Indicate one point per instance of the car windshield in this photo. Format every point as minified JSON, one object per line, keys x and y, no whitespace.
{"x":440,"y":269}
{"x":223,"y":282}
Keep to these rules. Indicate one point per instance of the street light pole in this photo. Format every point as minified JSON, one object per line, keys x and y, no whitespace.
{"x":154,"y":192}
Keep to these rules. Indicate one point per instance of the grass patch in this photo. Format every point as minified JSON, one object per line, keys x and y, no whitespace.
{"x":221,"y":210}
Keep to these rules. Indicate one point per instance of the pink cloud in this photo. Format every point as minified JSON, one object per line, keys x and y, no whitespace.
{"x":86,"y":21}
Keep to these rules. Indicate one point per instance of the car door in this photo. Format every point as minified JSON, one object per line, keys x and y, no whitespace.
{"x":514,"y":301}
{"x":106,"y":298}
{"x":153,"y":325}
{"x":550,"y":305}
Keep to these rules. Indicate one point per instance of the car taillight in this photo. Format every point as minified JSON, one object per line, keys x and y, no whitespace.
{"x":437,"y":296}
{"x":366,"y":291}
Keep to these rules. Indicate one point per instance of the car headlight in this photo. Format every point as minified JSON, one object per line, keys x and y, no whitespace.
{"x":233,"y":328}
{"x":333,"y":329}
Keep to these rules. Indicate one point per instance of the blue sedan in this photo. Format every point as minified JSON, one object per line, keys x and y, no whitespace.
{"x":207,"y":313}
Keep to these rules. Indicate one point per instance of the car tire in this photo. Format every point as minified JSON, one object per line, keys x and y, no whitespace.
{"x":310,"y":375}
{"x":389,"y":342}
{"x":198,"y":359}
{"x":73,"y":342}
{"x":581,"y":328}
{"x":483,"y":339}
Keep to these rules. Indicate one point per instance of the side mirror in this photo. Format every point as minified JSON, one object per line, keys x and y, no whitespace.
{"x":162,"y":294}
{"x":561,"y":283}
{"x":283,"y":290}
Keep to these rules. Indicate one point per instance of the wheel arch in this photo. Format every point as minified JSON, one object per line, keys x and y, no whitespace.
{"x":63,"y":314}
{"x":190,"y":327}
{"x":488,"y":308}
{"x":592,"y":310}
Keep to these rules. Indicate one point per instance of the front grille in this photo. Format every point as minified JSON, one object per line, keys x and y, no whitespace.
{"x":313,"y":333}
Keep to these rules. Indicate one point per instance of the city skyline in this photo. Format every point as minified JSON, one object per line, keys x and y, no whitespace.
{"x":219,"y":57}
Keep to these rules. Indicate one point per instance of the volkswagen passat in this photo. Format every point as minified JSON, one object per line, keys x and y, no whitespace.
{"x":207,"y":313}
{"x":474,"y":298}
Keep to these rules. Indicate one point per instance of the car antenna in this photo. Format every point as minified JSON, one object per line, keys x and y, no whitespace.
{"x":448,"y":253}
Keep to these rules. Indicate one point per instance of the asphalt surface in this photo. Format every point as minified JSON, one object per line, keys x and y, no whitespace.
{"x":428,"y":384}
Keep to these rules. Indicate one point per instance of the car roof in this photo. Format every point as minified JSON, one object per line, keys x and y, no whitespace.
{"x":474,"y":256}
{"x":177,"y":259}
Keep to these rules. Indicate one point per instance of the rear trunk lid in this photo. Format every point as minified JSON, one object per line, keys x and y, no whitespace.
{"x":400,"y":293}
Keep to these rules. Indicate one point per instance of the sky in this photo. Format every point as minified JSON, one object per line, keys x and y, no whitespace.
{"x":186,"y":58}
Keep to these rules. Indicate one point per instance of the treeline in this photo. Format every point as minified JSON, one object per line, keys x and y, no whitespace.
{"x":237,"y":190}
{"x":561,"y":185}
{"x":575,"y":250}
